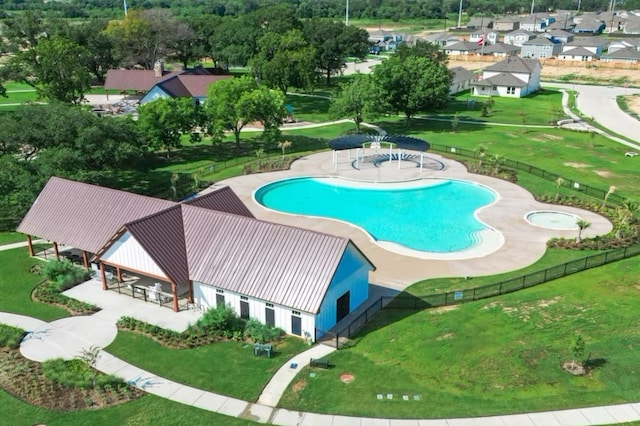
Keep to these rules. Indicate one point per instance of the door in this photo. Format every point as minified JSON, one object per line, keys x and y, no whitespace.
{"x":269,"y":317}
{"x":219,"y":300}
{"x":342,"y":306}
{"x":296,"y":325}
{"x":244,"y":309}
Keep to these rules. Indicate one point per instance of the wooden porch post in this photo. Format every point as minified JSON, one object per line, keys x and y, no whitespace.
{"x":104,"y":277}
{"x":190,"y":297}
{"x":85,"y":259}
{"x":55,"y":250}
{"x":30,"y":245}
{"x":119,"y":274}
{"x":174,"y":292}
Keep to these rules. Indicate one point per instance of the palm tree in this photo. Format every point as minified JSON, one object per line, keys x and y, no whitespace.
{"x":284,"y":145}
{"x":606,"y":196}
{"x":481,"y":151}
{"x":582,"y":225}
{"x":559,"y":183}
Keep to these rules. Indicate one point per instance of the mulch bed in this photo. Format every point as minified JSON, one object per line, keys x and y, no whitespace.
{"x":25,"y":380}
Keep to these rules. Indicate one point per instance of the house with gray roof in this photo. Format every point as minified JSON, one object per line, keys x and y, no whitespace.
{"x":507,"y":23}
{"x":623,"y":43}
{"x":483,"y":36}
{"x":628,"y":55}
{"x":589,"y":26}
{"x":209,"y":250}
{"x":501,"y":50}
{"x":461,"y":79}
{"x":518,"y":37}
{"x":480,"y":22}
{"x":595,"y":45}
{"x":442,"y":39}
{"x":559,"y":35}
{"x":576,"y":54}
{"x":462,"y":48}
{"x":536,"y":23}
{"x":541,"y":47}
{"x":512,"y":77}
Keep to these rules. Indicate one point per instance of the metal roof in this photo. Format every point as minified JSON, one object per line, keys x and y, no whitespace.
{"x":141,"y":80}
{"x":85,"y":216}
{"x":223,"y":200}
{"x":288,"y":266}
{"x":356,"y":141}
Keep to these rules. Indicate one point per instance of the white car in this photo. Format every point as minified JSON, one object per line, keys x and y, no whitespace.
{"x":631,"y":154}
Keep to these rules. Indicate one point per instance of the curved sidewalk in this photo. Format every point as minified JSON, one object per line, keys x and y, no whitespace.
{"x":261,"y":413}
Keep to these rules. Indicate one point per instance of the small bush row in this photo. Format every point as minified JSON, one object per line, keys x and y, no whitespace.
{"x":49,"y":292}
{"x":216,"y":324}
{"x":64,"y":275}
{"x":10,"y":337}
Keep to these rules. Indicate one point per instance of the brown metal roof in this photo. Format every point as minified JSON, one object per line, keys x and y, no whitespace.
{"x":223,"y":200}
{"x":162,"y":237}
{"x":197,"y":85}
{"x":288,"y":266}
{"x":85,"y":216}
{"x":141,"y":80}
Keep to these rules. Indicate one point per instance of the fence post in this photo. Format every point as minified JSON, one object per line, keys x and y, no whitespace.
{"x":445,"y":298}
{"x":524,"y":278}
{"x":545,"y":275}
{"x":474,"y":294}
{"x":625,"y":253}
{"x":606,"y":256}
{"x":337,"y":340}
{"x":565,"y":270}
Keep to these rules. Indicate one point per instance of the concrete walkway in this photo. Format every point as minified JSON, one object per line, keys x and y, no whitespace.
{"x":64,"y":342}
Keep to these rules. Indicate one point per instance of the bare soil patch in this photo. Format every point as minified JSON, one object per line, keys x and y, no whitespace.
{"x":443,"y":309}
{"x":633,"y":102}
{"x":299,"y":385}
{"x":575,"y":369}
{"x":603,"y":173}
{"x":577,"y":165}
{"x":445,"y":337}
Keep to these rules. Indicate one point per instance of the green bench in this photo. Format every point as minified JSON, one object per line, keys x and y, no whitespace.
{"x":320,"y":363}
{"x":261,"y":348}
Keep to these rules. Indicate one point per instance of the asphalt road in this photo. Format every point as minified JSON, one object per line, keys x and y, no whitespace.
{"x":599,"y":103}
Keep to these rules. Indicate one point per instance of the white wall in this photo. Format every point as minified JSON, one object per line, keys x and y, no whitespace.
{"x":205,"y":295}
{"x":128,"y":253}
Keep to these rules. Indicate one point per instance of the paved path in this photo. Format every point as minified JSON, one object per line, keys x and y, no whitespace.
{"x":67,"y":337}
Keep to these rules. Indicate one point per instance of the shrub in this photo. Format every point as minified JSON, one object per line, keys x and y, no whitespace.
{"x":76,"y":373}
{"x":65,"y":274}
{"x":10,"y":337}
{"x":219,"y":319}
{"x":261,"y":333}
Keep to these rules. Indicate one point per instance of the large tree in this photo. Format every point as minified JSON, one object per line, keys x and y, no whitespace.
{"x":225,"y":107}
{"x":412,"y":84}
{"x":423,"y":49}
{"x":266,"y":106}
{"x":355,"y":99}
{"x":333,"y":43}
{"x":92,"y":36}
{"x":284,"y":61}
{"x":164,"y":120}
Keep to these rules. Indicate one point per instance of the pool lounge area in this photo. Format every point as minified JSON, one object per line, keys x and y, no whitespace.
{"x":511,"y":241}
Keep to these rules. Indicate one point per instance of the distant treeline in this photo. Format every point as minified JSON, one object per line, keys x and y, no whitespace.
{"x":358,"y":9}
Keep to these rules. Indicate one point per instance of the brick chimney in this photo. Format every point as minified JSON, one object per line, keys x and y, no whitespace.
{"x":158,"y":69}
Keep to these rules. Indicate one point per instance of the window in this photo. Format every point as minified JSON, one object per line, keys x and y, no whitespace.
{"x":244,"y":309}
{"x":585,"y":58}
{"x":495,"y":87}
{"x":244,"y":298}
{"x":511,"y":90}
{"x":219,"y":291}
{"x":295,"y":312}
{"x":269,"y":316}
{"x":269,"y":305}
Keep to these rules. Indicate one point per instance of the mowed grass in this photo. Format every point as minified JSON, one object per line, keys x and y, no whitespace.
{"x":589,"y":159}
{"x":490,"y":357}
{"x":17,"y":283}
{"x":229,"y":368}
{"x":312,"y":108}
{"x":11,"y":237}
{"x":148,"y":410}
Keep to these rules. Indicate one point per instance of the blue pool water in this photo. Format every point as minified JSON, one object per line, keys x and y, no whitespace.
{"x":436,"y":217}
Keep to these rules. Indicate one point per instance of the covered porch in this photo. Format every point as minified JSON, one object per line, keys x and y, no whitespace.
{"x":60,"y":251}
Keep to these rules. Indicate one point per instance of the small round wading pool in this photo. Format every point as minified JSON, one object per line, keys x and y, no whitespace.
{"x":553,"y":219}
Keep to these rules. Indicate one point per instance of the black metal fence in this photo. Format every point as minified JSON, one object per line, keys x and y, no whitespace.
{"x":340,"y":338}
{"x":536,"y":171}
{"x":512,"y":284}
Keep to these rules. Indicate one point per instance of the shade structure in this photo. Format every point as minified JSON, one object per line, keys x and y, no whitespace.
{"x":356,"y":141}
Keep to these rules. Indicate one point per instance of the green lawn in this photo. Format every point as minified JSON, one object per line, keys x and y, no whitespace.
{"x":552,"y":257}
{"x":596,"y":161}
{"x":16,"y":284}
{"x":11,"y":237}
{"x":312,"y":108}
{"x":490,"y":357}
{"x":148,"y":410}
{"x":229,"y":368}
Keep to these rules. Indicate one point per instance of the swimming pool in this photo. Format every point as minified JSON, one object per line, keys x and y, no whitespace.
{"x":430,"y":215}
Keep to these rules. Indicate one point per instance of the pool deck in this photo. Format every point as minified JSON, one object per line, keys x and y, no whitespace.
{"x":522,"y":245}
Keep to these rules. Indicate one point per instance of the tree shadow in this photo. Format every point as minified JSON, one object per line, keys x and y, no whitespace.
{"x":594,"y":363}
{"x":422,"y":125}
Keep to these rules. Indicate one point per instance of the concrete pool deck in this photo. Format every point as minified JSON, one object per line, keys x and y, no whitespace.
{"x":523,"y":243}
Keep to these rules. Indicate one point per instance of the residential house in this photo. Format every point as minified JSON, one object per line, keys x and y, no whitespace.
{"x":536,"y":23}
{"x":461,"y":79}
{"x":613,"y":22}
{"x":559,"y":35}
{"x":589,"y":26}
{"x":631,"y":27}
{"x":483,"y":36}
{"x":462,"y":48}
{"x":628,"y":55}
{"x":442,"y":39}
{"x":501,"y":50}
{"x":384,"y":40}
{"x":624,"y":43}
{"x":507,"y":23}
{"x":512,"y":77}
{"x":158,"y":83}
{"x":518,"y":37}
{"x":480,"y":22}
{"x":563,"y":21}
{"x":541,"y":47}
{"x":209,"y":250}
{"x":576,"y":54}
{"x":594,"y":44}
